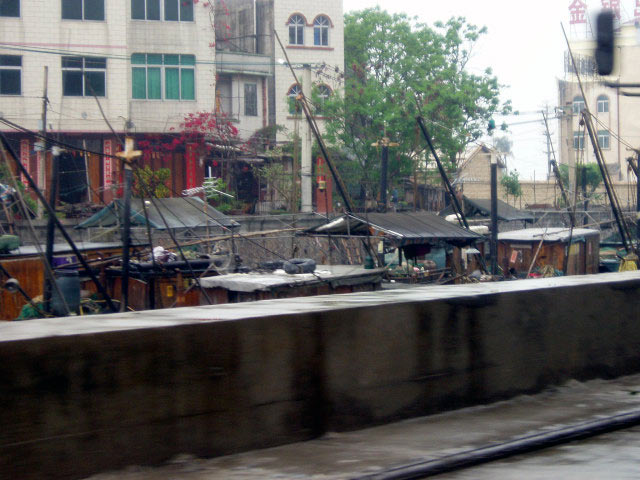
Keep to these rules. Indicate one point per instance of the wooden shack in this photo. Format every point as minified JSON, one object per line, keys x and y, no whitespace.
{"x":535,"y":248}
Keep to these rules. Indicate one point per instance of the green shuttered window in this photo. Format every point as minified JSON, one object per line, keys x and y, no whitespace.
{"x":162,"y":76}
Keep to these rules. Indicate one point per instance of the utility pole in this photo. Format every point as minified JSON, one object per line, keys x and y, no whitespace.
{"x":127,"y":156}
{"x":384,"y":143}
{"x":53,"y":197}
{"x":41,"y":153}
{"x":548,"y":136}
{"x":637,"y":198}
{"x":306,"y":163}
{"x":494,"y":215}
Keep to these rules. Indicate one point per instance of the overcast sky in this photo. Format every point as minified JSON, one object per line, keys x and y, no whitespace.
{"x":524,"y":46}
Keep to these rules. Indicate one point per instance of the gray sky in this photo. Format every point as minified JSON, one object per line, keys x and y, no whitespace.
{"x":524,"y":46}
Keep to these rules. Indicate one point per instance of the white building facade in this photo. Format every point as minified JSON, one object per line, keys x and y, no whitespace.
{"x":615,"y":113}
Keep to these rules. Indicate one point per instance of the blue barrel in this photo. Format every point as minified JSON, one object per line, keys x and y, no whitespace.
{"x":68,"y":282}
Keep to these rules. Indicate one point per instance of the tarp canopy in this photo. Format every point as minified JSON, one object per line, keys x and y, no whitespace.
{"x":549,"y":234}
{"x":404,"y":228}
{"x":179,"y":212}
{"x":481,"y":208}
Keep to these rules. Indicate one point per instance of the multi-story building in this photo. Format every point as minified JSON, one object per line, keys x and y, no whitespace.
{"x":306,"y":36}
{"x":140,"y":67}
{"x":616,"y":118}
{"x":312,"y":35}
{"x":134,"y":66}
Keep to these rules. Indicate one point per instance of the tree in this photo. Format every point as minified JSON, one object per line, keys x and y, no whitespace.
{"x":280,"y":180}
{"x":151,"y":182}
{"x":397,"y":68}
{"x":511,"y":184}
{"x":590,"y":172}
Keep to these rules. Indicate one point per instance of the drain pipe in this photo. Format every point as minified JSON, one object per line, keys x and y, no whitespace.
{"x":524,"y":444}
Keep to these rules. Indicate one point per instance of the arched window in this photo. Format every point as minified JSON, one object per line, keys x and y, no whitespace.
{"x":603,"y":104}
{"x":321,"y":31}
{"x":322,"y":94}
{"x":578,"y":105}
{"x":293,"y":94}
{"x":296,"y":30}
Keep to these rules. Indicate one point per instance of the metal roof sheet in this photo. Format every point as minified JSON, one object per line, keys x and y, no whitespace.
{"x":405,"y":227}
{"x":179,"y":212}
{"x":551,"y":234}
{"x":481,"y":207}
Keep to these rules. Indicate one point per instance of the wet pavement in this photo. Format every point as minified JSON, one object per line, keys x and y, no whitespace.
{"x":376,"y":450}
{"x":611,"y":456}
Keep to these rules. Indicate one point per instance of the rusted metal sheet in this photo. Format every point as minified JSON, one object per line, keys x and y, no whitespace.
{"x":29,"y":271}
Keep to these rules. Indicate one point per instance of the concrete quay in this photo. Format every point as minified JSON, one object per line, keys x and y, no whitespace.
{"x":385,"y":450}
{"x":92,"y":394}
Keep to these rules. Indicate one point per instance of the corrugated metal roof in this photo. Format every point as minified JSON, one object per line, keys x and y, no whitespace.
{"x":405,"y":227}
{"x":551,"y":234}
{"x":481,"y":207}
{"x":179,"y":212}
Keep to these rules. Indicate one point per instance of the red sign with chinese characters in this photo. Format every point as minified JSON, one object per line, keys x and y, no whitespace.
{"x":577,"y":10}
{"x":613,"y":5}
{"x":107,"y":170}
{"x":636,"y":12}
{"x":191,"y":166}
{"x":39,"y":166}
{"x":107,"y":164}
{"x":25,"y":159}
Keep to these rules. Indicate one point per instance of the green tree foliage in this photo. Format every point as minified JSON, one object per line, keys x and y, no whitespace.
{"x":590,"y":172}
{"x":147,"y":181}
{"x":280,"y":180}
{"x":395,"y":69}
{"x":511,"y":184}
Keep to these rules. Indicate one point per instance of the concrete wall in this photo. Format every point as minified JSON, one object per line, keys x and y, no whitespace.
{"x":85,"y":395}
{"x":548,"y":193}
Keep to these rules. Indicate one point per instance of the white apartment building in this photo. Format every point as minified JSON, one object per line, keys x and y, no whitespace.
{"x":616,"y":114}
{"x":313,"y":37}
{"x":312,"y":34}
{"x":149,"y":63}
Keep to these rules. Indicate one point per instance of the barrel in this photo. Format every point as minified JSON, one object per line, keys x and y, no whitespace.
{"x":68,"y":282}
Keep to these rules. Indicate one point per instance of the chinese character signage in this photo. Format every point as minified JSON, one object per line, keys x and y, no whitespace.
{"x":25,"y":159}
{"x":636,"y":12}
{"x":578,"y":10}
{"x":107,"y":177}
{"x":613,"y":5}
{"x":191,"y":165}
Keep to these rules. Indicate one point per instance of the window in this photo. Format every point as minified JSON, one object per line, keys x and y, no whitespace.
{"x":145,"y":9}
{"x":296,"y":30}
{"x":10,"y":74}
{"x":178,"y":10}
{"x":578,"y":140}
{"x":603,"y":104}
{"x":83,"y":9}
{"x":293,"y":94}
{"x":9,"y":8}
{"x":251,"y":99}
{"x":603,"y":139}
{"x":322,"y":94}
{"x":321,"y":31}
{"x":578,"y":105}
{"x":157,"y":76}
{"x":84,"y":76}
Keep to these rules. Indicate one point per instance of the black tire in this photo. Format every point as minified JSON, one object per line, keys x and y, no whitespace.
{"x":299,"y":265}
